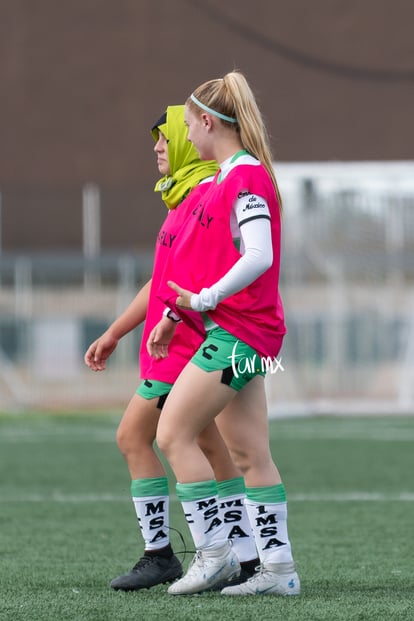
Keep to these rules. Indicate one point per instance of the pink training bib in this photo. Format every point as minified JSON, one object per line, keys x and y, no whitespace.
{"x":204,"y":251}
{"x":185,"y":341}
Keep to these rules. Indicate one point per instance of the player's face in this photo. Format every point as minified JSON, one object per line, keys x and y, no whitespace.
{"x":161,"y":149}
{"x":198,"y":133}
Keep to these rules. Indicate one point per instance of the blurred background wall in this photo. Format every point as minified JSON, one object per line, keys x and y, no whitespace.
{"x":82,"y":83}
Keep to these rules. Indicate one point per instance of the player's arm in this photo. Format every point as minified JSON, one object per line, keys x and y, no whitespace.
{"x":253,"y":218}
{"x":257,"y":258}
{"x":161,"y":335}
{"x":100,"y":350}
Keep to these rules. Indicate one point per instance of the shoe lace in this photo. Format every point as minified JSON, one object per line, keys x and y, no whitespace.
{"x":143,"y":562}
{"x":259,"y":572}
{"x":146,"y":560}
{"x":184,"y":551}
{"x":196,"y":564}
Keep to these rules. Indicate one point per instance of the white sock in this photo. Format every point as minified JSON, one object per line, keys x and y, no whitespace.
{"x":232,"y":494}
{"x":151,"y":502}
{"x":203,"y":514}
{"x":269,"y":523}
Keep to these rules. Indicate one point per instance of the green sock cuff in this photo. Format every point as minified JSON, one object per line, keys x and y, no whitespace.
{"x":269,"y":494}
{"x":231,"y":487}
{"x":196,"y":491}
{"x":149,"y":487}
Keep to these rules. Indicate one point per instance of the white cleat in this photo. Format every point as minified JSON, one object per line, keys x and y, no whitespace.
{"x":270,"y":579}
{"x":207,"y":568}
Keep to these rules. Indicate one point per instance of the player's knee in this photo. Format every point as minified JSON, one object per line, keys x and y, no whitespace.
{"x":122,"y":440}
{"x":163,"y":441}
{"x":206,"y":446}
{"x":166,"y":439}
{"x":132,"y":443}
{"x":241,"y":459}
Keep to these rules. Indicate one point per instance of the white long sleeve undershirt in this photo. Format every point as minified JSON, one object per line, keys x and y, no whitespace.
{"x":257,"y":257}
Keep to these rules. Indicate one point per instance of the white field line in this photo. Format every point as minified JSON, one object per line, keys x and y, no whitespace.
{"x":304,"y":433}
{"x":381,"y":430}
{"x":323,"y":497}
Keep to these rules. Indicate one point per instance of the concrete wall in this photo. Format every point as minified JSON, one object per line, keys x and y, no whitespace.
{"x":82,"y":82}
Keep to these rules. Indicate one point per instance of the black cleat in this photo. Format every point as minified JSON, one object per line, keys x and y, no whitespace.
{"x":149,"y":571}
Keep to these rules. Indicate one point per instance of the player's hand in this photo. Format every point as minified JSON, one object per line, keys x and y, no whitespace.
{"x":160,"y":337}
{"x":99,"y":352}
{"x":184,"y":296}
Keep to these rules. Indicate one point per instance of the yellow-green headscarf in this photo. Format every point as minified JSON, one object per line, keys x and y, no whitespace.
{"x":186,"y":168}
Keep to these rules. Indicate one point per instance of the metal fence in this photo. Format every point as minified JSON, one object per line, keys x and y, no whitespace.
{"x":347,"y":283}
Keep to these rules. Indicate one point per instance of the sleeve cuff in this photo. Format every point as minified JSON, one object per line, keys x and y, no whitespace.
{"x":203,"y":301}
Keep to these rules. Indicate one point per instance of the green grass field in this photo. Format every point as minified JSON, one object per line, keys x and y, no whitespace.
{"x":67,"y":525}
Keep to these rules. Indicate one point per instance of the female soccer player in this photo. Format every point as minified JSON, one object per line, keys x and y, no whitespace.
{"x":184,"y":174}
{"x":222,"y":274}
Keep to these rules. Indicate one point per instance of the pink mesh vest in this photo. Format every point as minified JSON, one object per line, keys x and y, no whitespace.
{"x":204,"y":251}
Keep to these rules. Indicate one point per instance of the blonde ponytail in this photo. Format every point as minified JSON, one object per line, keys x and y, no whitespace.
{"x":231,"y":96}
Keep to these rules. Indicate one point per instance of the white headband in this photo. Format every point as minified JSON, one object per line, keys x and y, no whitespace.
{"x":211,"y":111}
